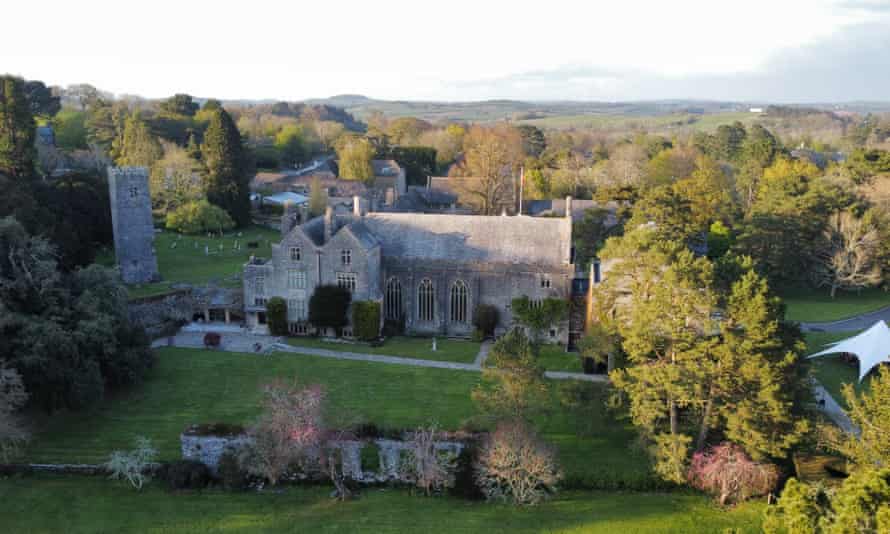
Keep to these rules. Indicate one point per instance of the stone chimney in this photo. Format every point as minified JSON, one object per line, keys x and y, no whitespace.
{"x":328,"y":224}
{"x":359,"y":207}
{"x":288,"y":218}
{"x":569,"y":206}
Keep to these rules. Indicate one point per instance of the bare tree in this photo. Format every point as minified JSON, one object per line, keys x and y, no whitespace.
{"x":491,"y":155}
{"x":514,"y":465}
{"x":288,"y":430}
{"x":12,"y":397}
{"x":431,"y":470}
{"x":848,"y":257}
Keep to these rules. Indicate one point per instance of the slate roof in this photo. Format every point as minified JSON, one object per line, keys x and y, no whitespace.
{"x":472,"y":238}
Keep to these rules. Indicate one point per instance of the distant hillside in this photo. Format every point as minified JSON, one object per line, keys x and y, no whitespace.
{"x":493,"y":110}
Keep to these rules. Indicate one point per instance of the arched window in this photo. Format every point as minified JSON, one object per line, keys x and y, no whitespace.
{"x":426,"y":301}
{"x":392,"y":302}
{"x":459,"y":302}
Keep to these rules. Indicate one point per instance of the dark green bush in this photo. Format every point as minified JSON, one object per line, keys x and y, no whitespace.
{"x":485,"y":318}
{"x":232,"y":476}
{"x":366,"y":320}
{"x":478,"y":336}
{"x":465,"y":485}
{"x":328,"y":306}
{"x":370,"y":457}
{"x":185,"y":474}
{"x":393,"y":327}
{"x":276,"y":316}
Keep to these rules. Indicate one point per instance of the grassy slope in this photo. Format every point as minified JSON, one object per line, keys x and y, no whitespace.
{"x":830,"y":370}
{"x":193,"y":386}
{"x":80,"y":504}
{"x":450,"y":350}
{"x":186,"y":263}
{"x":808,"y":305}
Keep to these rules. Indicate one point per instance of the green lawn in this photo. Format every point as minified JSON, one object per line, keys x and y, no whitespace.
{"x":45,"y":504}
{"x":188,"y":263}
{"x":830,"y":370}
{"x":555,"y":358}
{"x":816,"y":305}
{"x":447,"y":350}
{"x":190,"y":386}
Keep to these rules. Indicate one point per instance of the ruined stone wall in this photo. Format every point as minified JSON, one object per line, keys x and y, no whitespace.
{"x":163,"y":314}
{"x":391,"y":454}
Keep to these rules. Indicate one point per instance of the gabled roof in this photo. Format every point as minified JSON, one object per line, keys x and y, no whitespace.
{"x":362,"y":234}
{"x":472,"y":238}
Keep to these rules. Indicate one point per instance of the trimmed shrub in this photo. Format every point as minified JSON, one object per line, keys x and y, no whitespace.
{"x":185,"y":474}
{"x":393,"y":327}
{"x":276,"y":316}
{"x":199,"y":217}
{"x":328,"y":306}
{"x":485,"y":319}
{"x":212,"y":340}
{"x":232,"y":476}
{"x":366,"y":320}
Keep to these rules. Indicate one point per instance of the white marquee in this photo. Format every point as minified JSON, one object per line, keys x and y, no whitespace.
{"x":872,"y":347}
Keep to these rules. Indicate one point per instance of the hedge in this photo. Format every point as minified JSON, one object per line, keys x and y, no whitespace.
{"x":276,"y":316}
{"x":366,"y":320}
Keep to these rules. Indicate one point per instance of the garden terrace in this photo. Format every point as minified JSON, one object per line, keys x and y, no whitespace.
{"x":809,"y":305}
{"x":189,"y":386}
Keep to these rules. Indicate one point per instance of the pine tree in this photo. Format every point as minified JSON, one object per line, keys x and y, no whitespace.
{"x":227,"y":167}
{"x":17,"y":130}
{"x":139,"y":147}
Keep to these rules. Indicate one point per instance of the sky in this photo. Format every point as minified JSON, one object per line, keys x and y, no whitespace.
{"x":458,"y":50}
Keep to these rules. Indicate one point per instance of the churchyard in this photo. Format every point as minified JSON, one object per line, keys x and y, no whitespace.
{"x":203,"y":259}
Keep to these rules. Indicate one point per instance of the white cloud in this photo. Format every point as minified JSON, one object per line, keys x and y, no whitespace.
{"x":408,"y":49}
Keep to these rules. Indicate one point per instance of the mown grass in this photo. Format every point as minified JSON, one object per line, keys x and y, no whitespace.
{"x":555,"y":358}
{"x":447,"y":350}
{"x":816,"y":305}
{"x":187,"y":262}
{"x":44,"y":504}
{"x":830,"y":370}
{"x":189,"y":386}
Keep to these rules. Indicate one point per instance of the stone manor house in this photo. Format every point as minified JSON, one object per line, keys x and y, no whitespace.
{"x":428,"y":270}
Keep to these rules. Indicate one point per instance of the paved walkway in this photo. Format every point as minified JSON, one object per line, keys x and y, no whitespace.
{"x":260,"y":344}
{"x":858,"y":322}
{"x":832,"y":409}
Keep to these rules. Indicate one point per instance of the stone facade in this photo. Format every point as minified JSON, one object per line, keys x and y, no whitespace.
{"x":132,"y":224}
{"x":429,"y":271}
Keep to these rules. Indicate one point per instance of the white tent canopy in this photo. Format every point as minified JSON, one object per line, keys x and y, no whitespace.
{"x":872,"y":347}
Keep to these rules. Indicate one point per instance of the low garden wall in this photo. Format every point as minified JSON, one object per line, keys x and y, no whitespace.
{"x":390,"y":454}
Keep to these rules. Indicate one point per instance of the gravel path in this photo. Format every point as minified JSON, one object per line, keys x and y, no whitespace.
{"x":259,"y":344}
{"x":832,"y":409}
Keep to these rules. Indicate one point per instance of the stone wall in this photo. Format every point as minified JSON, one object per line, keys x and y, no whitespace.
{"x":209,"y":449}
{"x":162,"y":314}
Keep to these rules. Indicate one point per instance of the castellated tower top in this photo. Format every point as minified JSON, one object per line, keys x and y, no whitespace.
{"x":132,"y":223}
